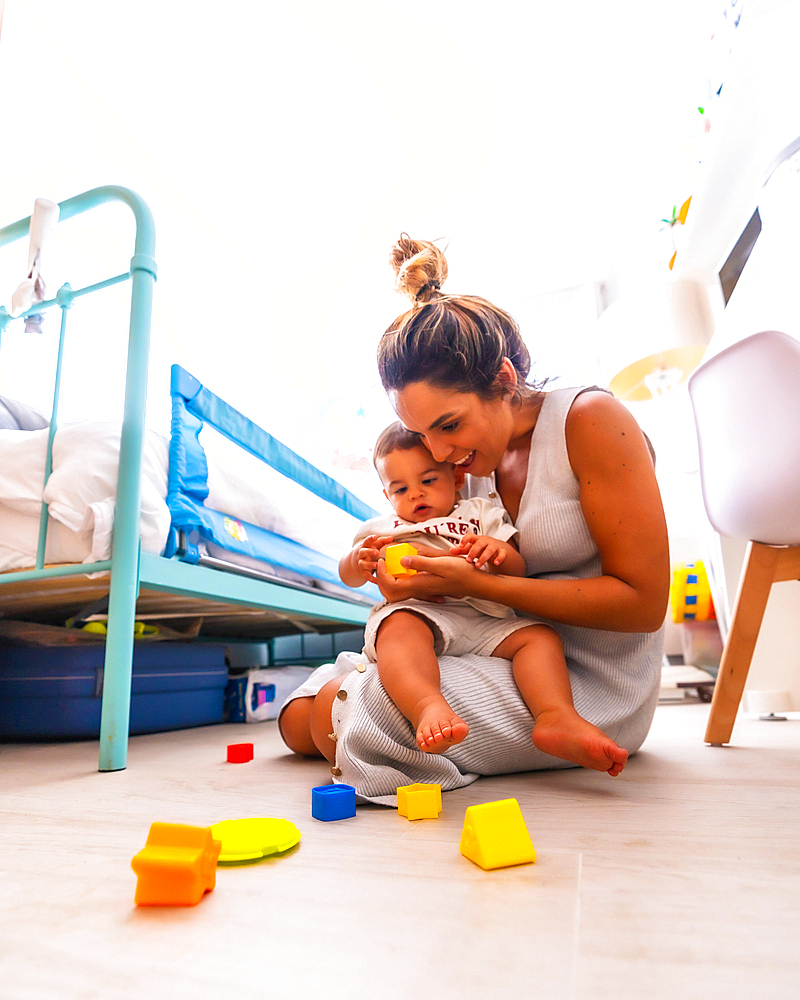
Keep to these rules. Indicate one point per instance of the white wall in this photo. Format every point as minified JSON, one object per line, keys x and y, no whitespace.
{"x":282,"y":148}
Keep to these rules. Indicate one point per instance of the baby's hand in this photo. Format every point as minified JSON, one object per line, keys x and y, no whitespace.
{"x":481,"y":549}
{"x":369,"y":553}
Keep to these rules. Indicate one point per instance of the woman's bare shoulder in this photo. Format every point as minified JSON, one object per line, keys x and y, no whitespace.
{"x":595,"y":401}
{"x":599,"y":429}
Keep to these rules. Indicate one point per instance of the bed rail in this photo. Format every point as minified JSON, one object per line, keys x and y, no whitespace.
{"x":190,"y":396}
{"x":194,"y":406}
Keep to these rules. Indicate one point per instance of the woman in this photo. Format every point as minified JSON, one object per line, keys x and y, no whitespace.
{"x":575,"y":473}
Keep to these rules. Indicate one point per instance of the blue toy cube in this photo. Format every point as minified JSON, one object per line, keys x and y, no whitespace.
{"x":329,"y":802}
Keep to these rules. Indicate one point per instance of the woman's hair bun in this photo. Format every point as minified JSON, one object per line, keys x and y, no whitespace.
{"x":420,"y":267}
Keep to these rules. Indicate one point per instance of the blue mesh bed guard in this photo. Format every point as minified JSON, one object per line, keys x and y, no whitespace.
{"x":193,"y":405}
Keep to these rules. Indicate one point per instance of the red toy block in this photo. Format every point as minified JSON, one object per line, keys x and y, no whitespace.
{"x":240,"y":753}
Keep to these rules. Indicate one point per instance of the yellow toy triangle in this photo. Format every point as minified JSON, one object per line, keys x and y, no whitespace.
{"x":495,"y":835}
{"x":251,"y":839}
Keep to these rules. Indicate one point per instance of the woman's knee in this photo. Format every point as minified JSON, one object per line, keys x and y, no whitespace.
{"x":294,"y":725}
{"x":320,"y":718}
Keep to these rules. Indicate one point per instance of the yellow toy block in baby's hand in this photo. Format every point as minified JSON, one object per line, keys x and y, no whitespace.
{"x":419,"y":801}
{"x":394,"y":553}
{"x":495,"y":835}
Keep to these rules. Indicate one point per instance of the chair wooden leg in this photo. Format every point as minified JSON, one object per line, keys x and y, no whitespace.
{"x":758,"y":575}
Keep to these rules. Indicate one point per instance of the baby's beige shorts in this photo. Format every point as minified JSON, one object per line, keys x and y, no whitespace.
{"x":457,"y":627}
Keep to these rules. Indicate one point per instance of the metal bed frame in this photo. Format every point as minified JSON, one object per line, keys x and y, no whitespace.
{"x":158,"y":583}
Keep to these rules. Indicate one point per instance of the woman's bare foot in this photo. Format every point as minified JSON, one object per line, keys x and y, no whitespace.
{"x":567,"y":735}
{"x":438,"y":727}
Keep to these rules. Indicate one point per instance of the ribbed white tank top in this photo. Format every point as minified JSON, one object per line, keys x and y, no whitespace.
{"x":618,"y":672}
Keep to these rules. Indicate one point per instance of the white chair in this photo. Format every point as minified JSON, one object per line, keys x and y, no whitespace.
{"x":746,"y":402}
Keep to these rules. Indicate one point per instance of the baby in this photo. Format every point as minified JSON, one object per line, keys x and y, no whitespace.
{"x":406,"y":638}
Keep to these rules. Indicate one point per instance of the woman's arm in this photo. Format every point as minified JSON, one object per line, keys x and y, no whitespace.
{"x":620,"y":500}
{"x":621,"y":503}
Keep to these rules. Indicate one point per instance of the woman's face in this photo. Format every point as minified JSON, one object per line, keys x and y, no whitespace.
{"x":457,"y":427}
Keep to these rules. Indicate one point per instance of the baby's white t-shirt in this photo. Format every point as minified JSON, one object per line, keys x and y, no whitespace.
{"x":476,"y":515}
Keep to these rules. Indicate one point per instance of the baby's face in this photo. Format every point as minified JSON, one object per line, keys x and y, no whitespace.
{"x":418,"y":487}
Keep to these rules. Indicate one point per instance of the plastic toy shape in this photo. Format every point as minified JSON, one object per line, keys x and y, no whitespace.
{"x":394,"y":553}
{"x":177,"y":866}
{"x":240,"y":753}
{"x":252,"y":839}
{"x":141,"y":630}
{"x":495,"y":835}
{"x":690,"y":594}
{"x":419,"y":801}
{"x":330,"y":802}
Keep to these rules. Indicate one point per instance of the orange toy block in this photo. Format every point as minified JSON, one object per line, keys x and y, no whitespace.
{"x":394,"y":553}
{"x":419,"y":801}
{"x":177,"y":866}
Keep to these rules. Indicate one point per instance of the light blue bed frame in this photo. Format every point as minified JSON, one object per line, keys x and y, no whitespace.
{"x":130,"y":568}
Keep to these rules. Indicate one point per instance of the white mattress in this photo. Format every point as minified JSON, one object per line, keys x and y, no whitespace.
{"x":82,"y":487}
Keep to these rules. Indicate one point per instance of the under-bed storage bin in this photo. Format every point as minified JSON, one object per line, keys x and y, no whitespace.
{"x":309,"y":647}
{"x":55,"y":692}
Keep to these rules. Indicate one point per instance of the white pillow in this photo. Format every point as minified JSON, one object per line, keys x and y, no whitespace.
{"x":19,"y":416}
{"x":82,"y":488}
{"x":22,"y":456}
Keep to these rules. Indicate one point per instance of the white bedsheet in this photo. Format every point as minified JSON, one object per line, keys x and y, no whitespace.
{"x":81,"y":493}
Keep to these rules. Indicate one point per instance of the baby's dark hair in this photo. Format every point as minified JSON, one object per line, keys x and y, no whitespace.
{"x":396,"y":438}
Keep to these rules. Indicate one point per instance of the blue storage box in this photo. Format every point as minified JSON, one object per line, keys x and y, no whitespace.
{"x":55,"y":692}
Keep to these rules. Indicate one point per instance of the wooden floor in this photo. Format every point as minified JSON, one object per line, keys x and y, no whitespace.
{"x":676,"y":881}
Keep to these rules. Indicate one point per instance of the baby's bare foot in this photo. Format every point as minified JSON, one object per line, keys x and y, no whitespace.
{"x":567,"y":735}
{"x":438,"y":727}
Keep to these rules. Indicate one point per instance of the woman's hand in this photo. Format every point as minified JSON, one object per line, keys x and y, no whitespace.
{"x":441,"y":576}
{"x":429,"y":552}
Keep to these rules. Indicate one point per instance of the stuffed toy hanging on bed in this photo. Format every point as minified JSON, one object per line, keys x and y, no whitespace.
{"x":33,"y":289}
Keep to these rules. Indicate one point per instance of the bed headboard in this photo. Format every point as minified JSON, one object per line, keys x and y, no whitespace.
{"x":142,"y":275}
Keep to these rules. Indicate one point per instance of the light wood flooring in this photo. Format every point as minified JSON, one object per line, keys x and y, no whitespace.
{"x":678,"y":880}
